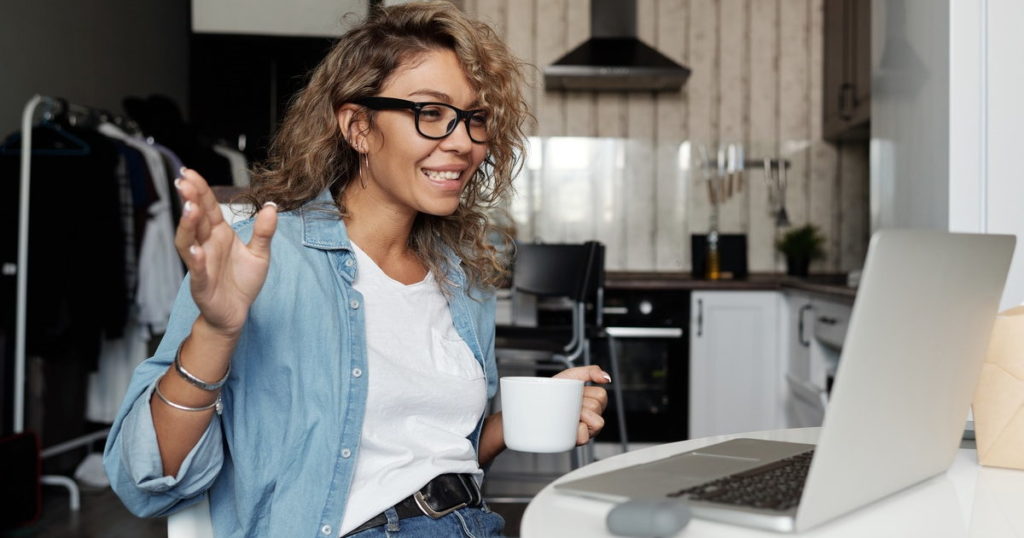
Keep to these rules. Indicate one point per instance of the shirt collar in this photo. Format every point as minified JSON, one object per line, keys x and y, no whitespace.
{"x":323,"y":229}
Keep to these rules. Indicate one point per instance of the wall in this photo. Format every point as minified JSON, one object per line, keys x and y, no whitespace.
{"x":944,"y":144}
{"x":911,"y":115}
{"x":757,"y":70}
{"x":316,"y":18}
{"x":91,"y":55}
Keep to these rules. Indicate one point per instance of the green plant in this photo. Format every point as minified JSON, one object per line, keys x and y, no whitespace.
{"x":805,"y":242}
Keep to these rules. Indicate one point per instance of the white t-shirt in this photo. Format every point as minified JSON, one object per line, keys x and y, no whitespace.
{"x":426,"y":393}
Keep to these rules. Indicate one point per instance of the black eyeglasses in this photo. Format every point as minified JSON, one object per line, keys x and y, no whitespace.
{"x":434,"y":120}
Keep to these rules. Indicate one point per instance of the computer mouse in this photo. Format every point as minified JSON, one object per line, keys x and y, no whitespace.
{"x":648,"y":518}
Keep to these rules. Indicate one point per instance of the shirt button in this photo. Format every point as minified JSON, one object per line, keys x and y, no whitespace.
{"x":354,"y":303}
{"x":356,"y":372}
{"x":325,"y":530}
{"x":349,"y":262}
{"x":345,"y":452}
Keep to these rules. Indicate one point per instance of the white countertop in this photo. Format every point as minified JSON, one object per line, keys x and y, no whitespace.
{"x":967,"y":500}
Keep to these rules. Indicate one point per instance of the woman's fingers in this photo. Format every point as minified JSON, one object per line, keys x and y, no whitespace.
{"x":591,"y":424}
{"x":592,"y":373}
{"x":263,"y":230}
{"x":186,"y":234}
{"x":595,"y":399}
{"x":196,"y":191}
{"x":205,"y":197}
{"x":598,"y":395}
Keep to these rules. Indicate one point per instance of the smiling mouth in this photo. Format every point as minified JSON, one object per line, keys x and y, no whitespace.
{"x":439,"y":175}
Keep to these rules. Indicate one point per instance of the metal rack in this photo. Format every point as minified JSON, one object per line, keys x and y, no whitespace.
{"x":51,"y":105}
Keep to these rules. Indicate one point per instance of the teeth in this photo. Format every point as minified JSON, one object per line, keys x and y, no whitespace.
{"x":439,"y":175}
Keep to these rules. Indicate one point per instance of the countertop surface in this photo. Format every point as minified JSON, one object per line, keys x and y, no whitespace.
{"x":832,"y":285}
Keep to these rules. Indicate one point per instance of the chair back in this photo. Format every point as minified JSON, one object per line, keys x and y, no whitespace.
{"x":557,"y":270}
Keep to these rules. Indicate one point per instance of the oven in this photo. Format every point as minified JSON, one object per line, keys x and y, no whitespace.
{"x":648,"y":329}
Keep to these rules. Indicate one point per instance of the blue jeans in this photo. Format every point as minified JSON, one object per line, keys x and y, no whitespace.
{"x":466,"y":522}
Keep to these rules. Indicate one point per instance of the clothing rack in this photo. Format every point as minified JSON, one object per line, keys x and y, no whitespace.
{"x":50,"y":106}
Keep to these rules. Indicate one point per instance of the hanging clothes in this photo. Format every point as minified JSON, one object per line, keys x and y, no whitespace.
{"x":160,"y":273}
{"x":159,"y":276}
{"x":75,"y":276}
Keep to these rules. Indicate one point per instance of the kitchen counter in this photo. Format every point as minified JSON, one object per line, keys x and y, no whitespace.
{"x":831,"y":285}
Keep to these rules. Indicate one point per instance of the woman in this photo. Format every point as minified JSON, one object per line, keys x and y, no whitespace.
{"x":326,"y":369}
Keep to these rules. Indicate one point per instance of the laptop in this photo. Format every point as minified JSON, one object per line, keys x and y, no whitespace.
{"x":913,"y":354}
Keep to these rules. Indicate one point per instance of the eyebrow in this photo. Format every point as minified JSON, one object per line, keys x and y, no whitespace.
{"x":442,"y":97}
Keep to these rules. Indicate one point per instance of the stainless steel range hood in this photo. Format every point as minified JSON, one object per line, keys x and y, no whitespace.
{"x":613,"y":59}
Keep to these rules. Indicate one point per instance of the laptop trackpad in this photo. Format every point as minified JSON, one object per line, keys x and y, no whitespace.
{"x":701,"y":467}
{"x":671,"y":474}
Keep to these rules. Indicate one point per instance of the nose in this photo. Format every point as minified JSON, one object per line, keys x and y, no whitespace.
{"x":458,"y":141}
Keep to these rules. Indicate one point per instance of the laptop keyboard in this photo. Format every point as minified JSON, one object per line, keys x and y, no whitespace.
{"x":775,"y":486}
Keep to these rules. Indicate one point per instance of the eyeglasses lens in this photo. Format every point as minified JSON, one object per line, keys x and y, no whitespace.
{"x":437,"y":121}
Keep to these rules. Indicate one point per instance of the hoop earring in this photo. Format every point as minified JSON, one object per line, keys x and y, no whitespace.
{"x":362,"y":181}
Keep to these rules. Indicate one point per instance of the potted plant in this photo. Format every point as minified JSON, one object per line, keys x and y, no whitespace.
{"x":801,"y":246}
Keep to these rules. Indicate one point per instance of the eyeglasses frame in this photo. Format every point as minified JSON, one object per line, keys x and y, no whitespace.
{"x":392,"y":103}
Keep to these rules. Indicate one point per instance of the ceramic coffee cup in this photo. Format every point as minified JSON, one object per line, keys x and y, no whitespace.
{"x":540,"y":414}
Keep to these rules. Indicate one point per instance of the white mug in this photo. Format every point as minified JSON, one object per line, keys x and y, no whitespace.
{"x":540,"y":414}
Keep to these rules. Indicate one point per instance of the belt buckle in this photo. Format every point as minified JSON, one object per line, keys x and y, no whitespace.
{"x":421,"y":503}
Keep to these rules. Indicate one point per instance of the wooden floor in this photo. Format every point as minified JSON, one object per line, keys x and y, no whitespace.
{"x":103,"y":516}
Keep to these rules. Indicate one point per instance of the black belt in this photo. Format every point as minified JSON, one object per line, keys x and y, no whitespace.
{"x":444,"y":494}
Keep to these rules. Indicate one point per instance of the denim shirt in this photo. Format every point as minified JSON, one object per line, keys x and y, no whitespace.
{"x":280,"y":460}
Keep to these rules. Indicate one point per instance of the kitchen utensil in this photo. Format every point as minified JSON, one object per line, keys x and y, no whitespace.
{"x":782,"y":218}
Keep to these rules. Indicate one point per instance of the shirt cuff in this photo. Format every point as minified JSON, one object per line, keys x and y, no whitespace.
{"x":141,"y":453}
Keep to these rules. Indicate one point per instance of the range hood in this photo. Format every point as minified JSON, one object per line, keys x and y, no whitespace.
{"x":613,"y":59}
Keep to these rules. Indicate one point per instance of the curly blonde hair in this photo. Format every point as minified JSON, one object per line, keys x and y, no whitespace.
{"x":310,"y":153}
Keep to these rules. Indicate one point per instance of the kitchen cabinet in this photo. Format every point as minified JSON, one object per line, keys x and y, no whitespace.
{"x":736,"y":363}
{"x":847,"y":70}
{"x":814,"y":336}
{"x":798,"y":310}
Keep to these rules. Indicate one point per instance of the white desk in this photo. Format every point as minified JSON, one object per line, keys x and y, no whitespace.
{"x":968,"y":500}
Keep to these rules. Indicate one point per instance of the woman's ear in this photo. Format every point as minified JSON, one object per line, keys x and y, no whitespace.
{"x":353,"y":126}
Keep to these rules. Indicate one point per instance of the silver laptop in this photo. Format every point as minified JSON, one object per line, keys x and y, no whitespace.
{"x":912,"y":356}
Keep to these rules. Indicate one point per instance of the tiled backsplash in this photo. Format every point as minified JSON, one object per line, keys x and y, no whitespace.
{"x":573,"y":189}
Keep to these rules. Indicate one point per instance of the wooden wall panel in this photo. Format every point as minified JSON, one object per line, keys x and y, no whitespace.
{"x":823,"y":178}
{"x":579,"y":106}
{"x":756,"y":79}
{"x":641,"y":126}
{"x":794,"y":112}
{"x":731,"y":105}
{"x":761,"y":131}
{"x":550,"y":43}
{"x":672,"y":240}
{"x":701,"y":92}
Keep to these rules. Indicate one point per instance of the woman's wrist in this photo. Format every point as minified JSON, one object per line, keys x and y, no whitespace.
{"x":492,"y":439}
{"x":206,"y":351}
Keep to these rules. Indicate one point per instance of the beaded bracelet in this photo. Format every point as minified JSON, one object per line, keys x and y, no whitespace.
{"x":216,"y":405}
{"x":195,"y":381}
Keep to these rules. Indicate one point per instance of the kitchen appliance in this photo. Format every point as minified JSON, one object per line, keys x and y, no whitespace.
{"x":647,"y":327}
{"x":613,"y":59}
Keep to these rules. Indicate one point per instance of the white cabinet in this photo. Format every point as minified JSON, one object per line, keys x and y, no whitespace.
{"x":736,"y":362}
{"x":814,"y":339}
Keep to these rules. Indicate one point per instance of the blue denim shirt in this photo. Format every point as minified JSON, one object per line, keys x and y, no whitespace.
{"x":280,"y":460}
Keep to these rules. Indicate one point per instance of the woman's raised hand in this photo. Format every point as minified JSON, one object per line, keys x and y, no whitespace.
{"x":226,"y":273}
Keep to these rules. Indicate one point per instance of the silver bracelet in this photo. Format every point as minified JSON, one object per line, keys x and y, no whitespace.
{"x":195,"y":381}
{"x":216,"y":405}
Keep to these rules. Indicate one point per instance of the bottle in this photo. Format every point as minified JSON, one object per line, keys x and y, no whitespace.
{"x":713,"y":269}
